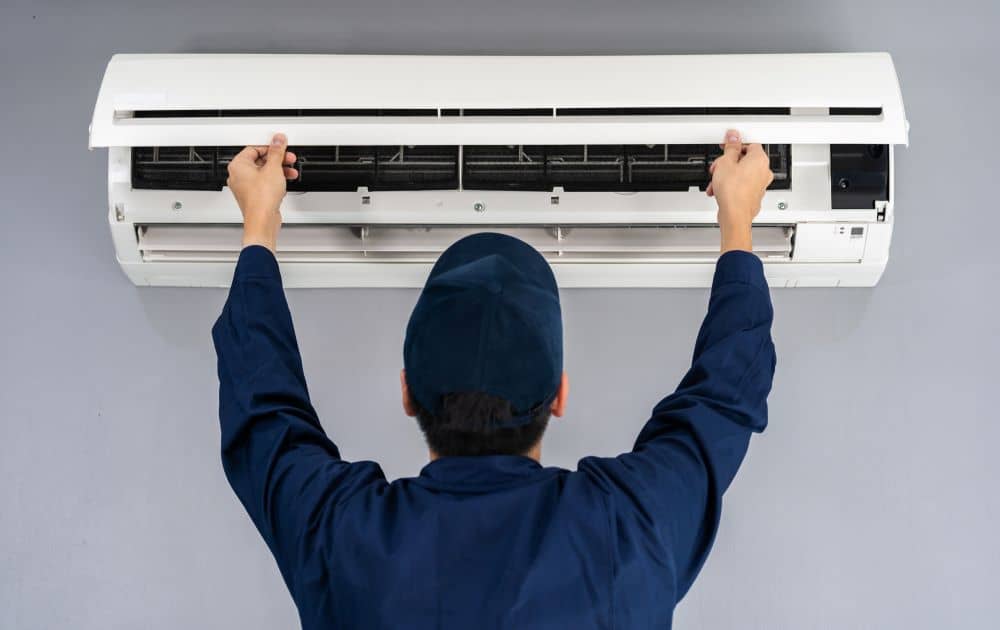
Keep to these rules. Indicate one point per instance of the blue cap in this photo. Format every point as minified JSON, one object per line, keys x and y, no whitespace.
{"x":488,"y":320}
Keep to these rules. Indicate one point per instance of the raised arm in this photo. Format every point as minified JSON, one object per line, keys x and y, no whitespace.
{"x":691,"y":447}
{"x":280,"y":463}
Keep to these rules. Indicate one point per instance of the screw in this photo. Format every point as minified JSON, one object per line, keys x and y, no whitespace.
{"x":479,"y":206}
{"x":178,"y":205}
{"x":782,"y":205}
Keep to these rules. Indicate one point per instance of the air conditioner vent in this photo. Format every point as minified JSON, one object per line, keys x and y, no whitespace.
{"x":347,"y":112}
{"x":485,"y":167}
{"x":352,"y":243}
{"x":320,"y":168}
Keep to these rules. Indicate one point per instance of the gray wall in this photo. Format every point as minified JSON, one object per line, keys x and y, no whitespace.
{"x":870,"y":502}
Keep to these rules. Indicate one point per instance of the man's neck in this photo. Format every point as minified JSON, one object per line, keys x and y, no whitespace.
{"x":535,"y":453}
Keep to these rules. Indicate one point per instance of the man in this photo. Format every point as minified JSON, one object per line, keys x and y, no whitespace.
{"x":485,"y":537}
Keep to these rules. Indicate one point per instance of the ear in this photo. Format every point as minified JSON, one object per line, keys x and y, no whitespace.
{"x":409,"y":408}
{"x":559,"y":402}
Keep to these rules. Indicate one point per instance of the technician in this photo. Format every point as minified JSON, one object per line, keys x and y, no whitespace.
{"x":486,"y":537}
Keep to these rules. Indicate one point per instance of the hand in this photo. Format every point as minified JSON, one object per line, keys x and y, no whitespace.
{"x":739,"y":178}
{"x":257,"y":177}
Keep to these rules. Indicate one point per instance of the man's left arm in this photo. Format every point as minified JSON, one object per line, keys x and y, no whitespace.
{"x":282,"y":466}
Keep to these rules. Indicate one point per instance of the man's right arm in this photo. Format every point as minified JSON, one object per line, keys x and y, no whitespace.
{"x":691,"y":447}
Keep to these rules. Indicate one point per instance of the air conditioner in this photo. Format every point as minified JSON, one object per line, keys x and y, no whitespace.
{"x":600,"y":162}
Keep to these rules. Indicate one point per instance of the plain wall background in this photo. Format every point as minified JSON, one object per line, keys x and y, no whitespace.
{"x":870,"y":502}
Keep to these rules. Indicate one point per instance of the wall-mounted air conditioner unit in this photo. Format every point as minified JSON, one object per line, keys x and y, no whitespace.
{"x":599,"y":162}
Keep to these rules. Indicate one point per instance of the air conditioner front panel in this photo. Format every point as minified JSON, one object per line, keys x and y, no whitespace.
{"x":162,"y":100}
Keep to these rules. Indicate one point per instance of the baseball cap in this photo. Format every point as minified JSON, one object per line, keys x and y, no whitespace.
{"x":487,"y":320}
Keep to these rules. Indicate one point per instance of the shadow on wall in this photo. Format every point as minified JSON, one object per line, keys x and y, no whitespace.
{"x":188,"y":328}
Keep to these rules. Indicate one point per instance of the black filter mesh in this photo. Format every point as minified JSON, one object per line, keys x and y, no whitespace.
{"x":484,"y":167}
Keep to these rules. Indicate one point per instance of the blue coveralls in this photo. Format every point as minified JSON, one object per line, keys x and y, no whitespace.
{"x":476,"y":543}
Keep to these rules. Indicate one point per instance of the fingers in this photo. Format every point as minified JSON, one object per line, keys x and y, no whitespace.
{"x":276,"y":152}
{"x":760,"y":160}
{"x":256,"y":156}
{"x":254,"y":152}
{"x":710,"y":191}
{"x":733,"y":147}
{"x":287,"y":165}
{"x":756,"y":152}
{"x":247,"y":158}
{"x":250,"y":154}
{"x":288,"y":161}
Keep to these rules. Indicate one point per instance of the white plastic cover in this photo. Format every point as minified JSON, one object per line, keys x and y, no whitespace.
{"x":809,"y":84}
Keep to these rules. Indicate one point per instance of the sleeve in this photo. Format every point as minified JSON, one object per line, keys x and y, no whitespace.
{"x":689,"y":450}
{"x":286,"y":472}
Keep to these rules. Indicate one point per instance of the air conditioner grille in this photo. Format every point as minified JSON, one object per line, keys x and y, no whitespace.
{"x":337,"y":242}
{"x":496,"y":167}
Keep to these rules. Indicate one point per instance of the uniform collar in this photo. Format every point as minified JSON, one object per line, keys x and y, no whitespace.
{"x":482,"y":472}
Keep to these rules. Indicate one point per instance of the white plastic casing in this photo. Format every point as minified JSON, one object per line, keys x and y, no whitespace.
{"x":826,"y":251}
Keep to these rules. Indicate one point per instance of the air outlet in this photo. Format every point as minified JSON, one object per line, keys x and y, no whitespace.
{"x":345,"y":243}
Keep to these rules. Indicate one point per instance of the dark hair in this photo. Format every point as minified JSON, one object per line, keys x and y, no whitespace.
{"x":466,"y":425}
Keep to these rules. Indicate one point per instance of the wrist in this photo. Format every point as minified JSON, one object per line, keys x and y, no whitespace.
{"x":267,"y":240}
{"x":261,"y":228}
{"x":736,"y":235}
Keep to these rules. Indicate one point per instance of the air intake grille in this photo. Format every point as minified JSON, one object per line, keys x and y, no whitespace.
{"x":320,"y":168}
{"x":502,"y":167}
{"x":603,"y":167}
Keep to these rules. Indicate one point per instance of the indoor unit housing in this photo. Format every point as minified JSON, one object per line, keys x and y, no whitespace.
{"x":600,"y":162}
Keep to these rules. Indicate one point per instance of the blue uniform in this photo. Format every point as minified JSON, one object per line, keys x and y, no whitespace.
{"x":495,"y":541}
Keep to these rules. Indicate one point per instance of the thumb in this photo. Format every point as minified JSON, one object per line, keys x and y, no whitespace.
{"x":276,"y":152}
{"x":733,"y":147}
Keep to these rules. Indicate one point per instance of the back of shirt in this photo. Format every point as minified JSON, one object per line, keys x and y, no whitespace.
{"x":489,"y":541}
{"x":479,"y":542}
